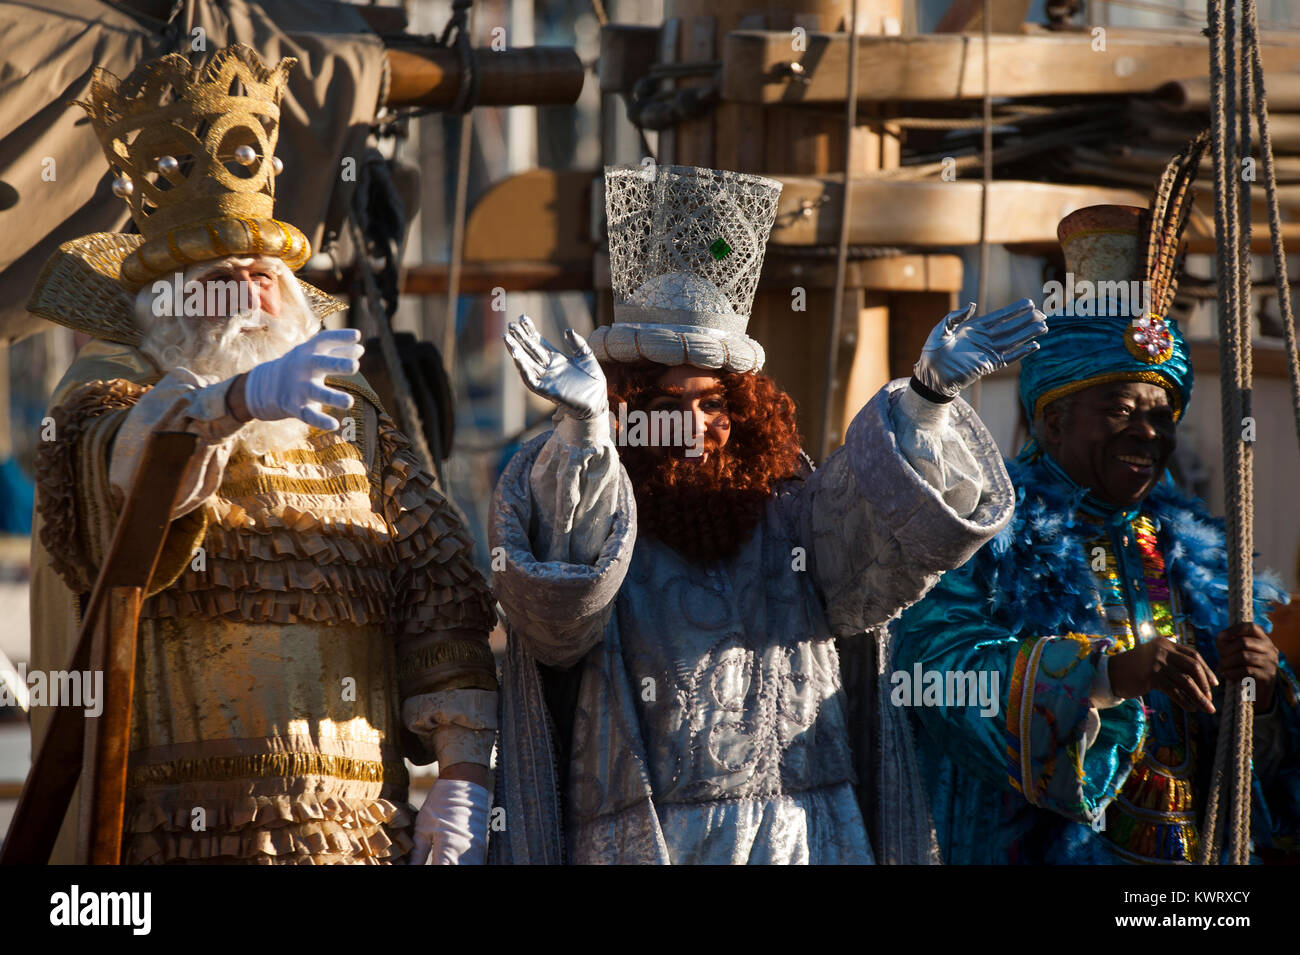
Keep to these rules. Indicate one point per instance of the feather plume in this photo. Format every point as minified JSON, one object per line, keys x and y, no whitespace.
{"x":1171,"y":205}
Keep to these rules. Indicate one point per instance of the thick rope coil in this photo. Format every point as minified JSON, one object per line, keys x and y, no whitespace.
{"x":1230,"y":142}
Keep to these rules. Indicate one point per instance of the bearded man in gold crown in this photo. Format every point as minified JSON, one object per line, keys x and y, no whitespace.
{"x":315,"y":616}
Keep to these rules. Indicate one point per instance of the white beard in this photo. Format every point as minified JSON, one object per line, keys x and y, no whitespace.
{"x":219,"y":349}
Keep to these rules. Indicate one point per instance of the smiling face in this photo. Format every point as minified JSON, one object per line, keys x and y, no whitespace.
{"x":1115,"y":438}
{"x":700,"y":399}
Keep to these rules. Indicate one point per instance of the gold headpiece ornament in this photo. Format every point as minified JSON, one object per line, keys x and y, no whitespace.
{"x":1120,"y":247}
{"x":1148,"y":337}
{"x":193,"y":152}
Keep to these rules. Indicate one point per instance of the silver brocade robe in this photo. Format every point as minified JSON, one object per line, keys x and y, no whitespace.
{"x":710,"y":722}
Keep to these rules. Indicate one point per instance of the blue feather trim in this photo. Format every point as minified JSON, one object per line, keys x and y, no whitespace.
{"x":1038,"y":575}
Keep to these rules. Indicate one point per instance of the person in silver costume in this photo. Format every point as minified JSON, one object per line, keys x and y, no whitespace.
{"x":672,"y":689}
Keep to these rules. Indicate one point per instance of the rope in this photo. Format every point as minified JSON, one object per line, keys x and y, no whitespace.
{"x":466,"y":98}
{"x":842,"y":253}
{"x":457,"y":240}
{"x":1275,"y":220}
{"x":1231,"y":814}
{"x":375,"y":322}
{"x":467,"y":89}
{"x":1244,"y":716}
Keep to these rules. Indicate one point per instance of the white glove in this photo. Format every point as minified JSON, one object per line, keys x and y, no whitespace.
{"x":453,"y":821}
{"x":961,"y":349}
{"x":574,"y":382}
{"x":293,"y":385}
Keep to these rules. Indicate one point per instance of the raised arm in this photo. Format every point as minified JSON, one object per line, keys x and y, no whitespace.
{"x":564,"y":519}
{"x":919,"y":485}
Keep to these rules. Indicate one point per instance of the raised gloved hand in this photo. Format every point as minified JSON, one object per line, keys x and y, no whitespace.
{"x":962,"y":349}
{"x":574,"y":382}
{"x":293,"y":385}
{"x":453,"y":823}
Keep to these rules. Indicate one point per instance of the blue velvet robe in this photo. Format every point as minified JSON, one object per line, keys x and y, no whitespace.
{"x":1021,"y":785}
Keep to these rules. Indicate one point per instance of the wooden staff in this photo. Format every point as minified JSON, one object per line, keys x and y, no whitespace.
{"x":96,"y":748}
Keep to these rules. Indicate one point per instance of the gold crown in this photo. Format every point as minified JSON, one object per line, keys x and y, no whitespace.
{"x":193,"y":150}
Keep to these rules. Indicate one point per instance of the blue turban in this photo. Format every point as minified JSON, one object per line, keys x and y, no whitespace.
{"x":1078,"y":352}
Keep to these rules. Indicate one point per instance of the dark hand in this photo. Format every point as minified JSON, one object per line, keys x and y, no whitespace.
{"x":1173,"y":669}
{"x":1245,"y":650}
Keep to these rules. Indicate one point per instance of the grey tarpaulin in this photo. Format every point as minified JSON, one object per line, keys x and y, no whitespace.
{"x":48,"y":50}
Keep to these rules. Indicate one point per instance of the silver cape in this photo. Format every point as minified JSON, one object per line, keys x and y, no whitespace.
{"x":710,"y":719}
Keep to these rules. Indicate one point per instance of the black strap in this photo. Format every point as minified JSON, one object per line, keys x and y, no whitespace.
{"x":929,"y":395}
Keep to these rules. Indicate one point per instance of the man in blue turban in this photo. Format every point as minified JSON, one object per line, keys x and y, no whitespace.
{"x":1097,"y":621}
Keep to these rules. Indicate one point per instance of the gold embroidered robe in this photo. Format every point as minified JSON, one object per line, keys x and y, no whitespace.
{"x":315,"y":617}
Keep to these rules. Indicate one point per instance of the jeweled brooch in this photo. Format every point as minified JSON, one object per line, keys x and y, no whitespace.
{"x":1149,"y":339}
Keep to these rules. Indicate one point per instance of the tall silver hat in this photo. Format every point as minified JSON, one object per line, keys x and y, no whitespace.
{"x":685,"y":250}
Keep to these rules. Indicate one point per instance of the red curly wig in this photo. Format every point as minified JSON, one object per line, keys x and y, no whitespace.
{"x":707,"y":510}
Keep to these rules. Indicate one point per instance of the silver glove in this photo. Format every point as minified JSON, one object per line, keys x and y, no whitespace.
{"x":574,"y":382}
{"x":961,"y":349}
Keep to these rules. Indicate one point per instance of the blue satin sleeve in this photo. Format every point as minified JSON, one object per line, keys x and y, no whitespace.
{"x":1036,"y":742}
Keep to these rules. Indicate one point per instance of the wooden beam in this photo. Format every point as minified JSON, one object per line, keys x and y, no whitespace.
{"x":1193,"y":94}
{"x":937,"y":213}
{"x":936,"y":67}
{"x":931,"y":213}
{"x":902,"y":273}
{"x":425,"y":75}
{"x":1149,"y":163}
{"x":695,"y":139}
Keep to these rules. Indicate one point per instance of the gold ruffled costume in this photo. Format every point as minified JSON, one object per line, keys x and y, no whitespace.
{"x":313,"y":620}
{"x":335,"y":584}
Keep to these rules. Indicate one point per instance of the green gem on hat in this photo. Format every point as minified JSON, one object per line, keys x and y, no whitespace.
{"x":719,"y":249}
